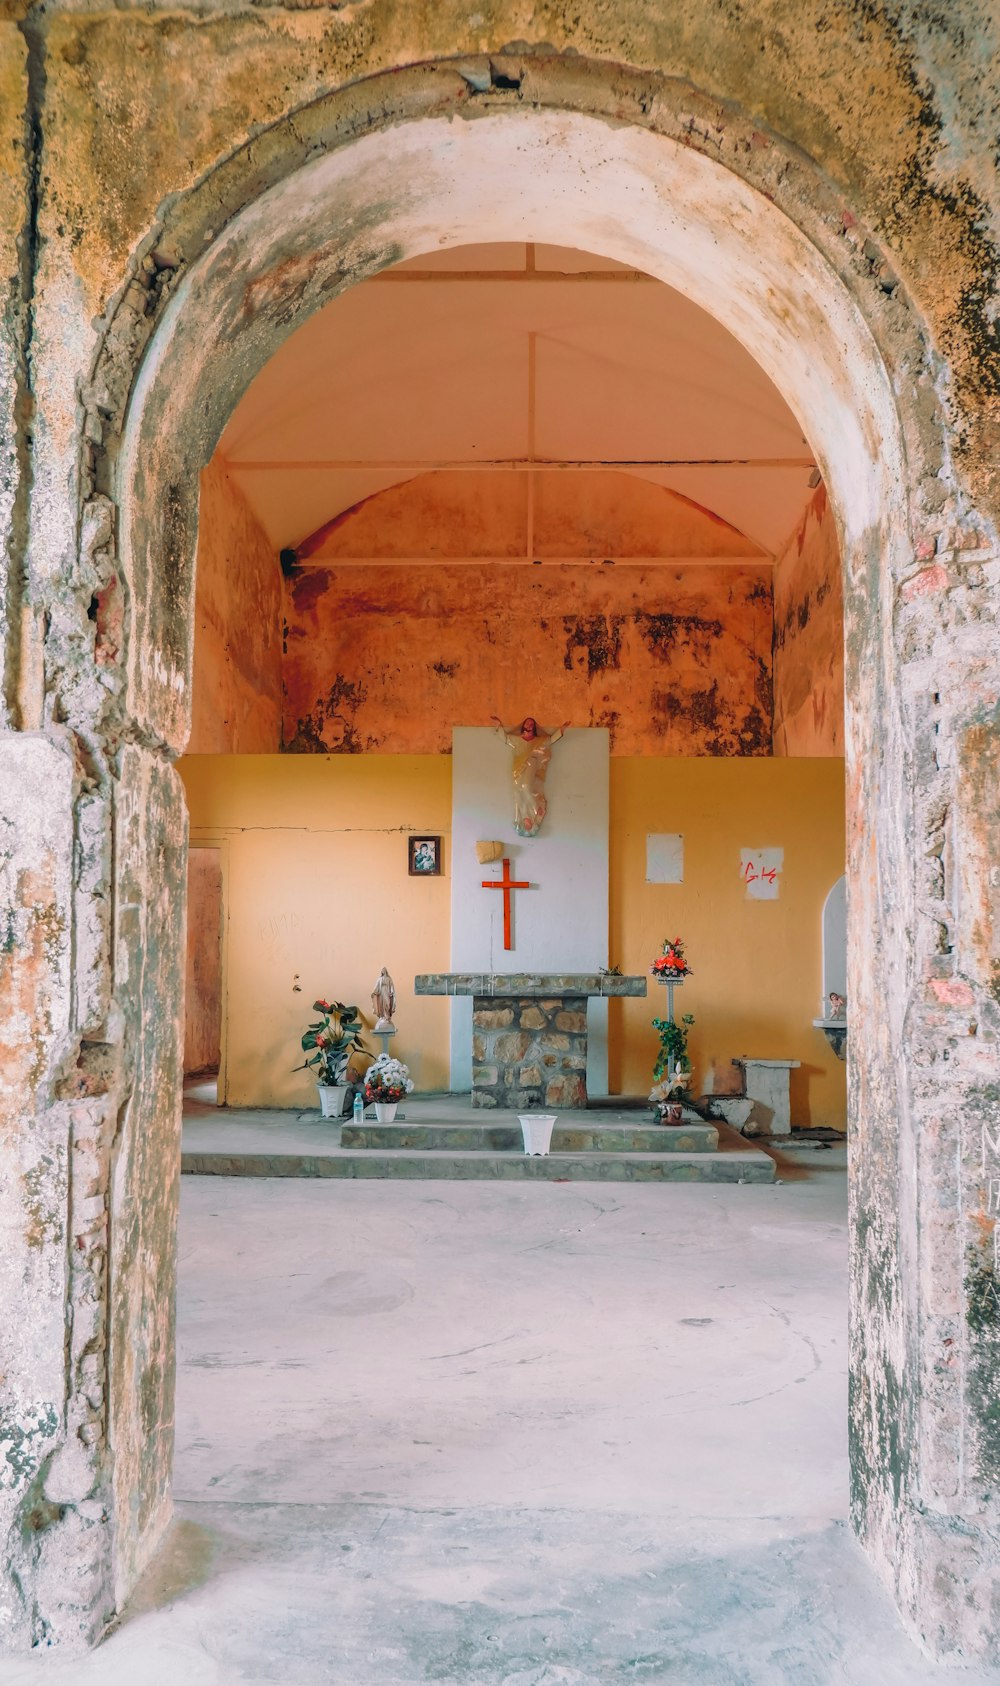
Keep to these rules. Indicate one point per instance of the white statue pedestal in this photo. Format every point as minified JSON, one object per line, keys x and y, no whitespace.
{"x":766,"y":1084}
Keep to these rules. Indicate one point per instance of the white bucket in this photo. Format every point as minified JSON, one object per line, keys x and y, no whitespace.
{"x":331,"y":1099}
{"x":536,"y":1128}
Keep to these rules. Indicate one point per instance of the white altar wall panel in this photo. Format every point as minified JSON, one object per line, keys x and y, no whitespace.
{"x":561,"y":924}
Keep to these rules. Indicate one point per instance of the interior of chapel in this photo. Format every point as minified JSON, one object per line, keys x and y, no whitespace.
{"x":491,"y":483}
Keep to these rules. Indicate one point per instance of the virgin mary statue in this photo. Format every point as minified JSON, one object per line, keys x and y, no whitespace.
{"x":532,"y":753}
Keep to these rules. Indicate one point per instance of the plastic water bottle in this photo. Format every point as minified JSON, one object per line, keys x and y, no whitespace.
{"x":359,"y":1107}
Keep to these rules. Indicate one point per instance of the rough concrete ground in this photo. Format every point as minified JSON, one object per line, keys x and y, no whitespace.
{"x":510,"y":1435}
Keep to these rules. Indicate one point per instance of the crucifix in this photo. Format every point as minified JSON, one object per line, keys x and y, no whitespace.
{"x":506,"y":884}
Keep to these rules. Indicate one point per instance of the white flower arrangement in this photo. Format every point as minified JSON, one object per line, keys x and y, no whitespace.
{"x":387,"y":1079}
{"x":671,"y":1087}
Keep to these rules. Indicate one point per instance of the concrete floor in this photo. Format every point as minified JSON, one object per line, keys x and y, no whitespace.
{"x":510,"y":1435}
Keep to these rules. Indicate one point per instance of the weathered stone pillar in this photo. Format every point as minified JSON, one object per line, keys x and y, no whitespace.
{"x":151,"y":858}
{"x":56,"y":1126}
{"x":924,"y":958}
{"x":89,"y":1139}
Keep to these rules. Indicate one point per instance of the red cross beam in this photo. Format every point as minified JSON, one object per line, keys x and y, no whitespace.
{"x":506,"y":884}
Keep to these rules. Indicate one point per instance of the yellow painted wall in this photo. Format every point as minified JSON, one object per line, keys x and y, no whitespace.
{"x":316,"y":885}
{"x":317,"y":894}
{"x":756,"y":965}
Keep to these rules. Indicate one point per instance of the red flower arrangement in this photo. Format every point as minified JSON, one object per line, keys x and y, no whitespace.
{"x":672,"y":962}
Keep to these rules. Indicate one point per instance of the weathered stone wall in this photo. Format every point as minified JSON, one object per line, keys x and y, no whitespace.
{"x":150,"y":826}
{"x":236,"y":678}
{"x":55,"y":1130}
{"x":847,"y":226}
{"x":809,"y":638}
{"x":15,"y":269}
{"x":672,"y":660}
{"x":529,"y":1053}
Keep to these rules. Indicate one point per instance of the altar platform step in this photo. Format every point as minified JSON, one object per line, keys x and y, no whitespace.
{"x":605,"y":1146}
{"x":693,"y":1137}
{"x":752,"y":1166}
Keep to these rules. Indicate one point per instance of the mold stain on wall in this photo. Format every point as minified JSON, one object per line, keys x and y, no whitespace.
{"x":674,"y":661}
{"x":808,"y":672}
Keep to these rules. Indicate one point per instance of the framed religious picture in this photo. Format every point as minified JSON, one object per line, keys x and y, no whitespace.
{"x":425,"y":857}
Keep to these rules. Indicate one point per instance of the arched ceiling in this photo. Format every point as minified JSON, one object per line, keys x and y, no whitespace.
{"x":501,"y":357}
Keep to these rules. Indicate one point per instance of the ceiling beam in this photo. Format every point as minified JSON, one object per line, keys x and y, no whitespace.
{"x":399,"y":278}
{"x":510,"y":465}
{"x":313,"y":560}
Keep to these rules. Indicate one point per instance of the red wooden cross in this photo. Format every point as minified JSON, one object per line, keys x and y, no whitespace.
{"x":506,"y":884}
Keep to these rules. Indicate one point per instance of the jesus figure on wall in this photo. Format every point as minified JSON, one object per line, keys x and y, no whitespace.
{"x":532,"y":753}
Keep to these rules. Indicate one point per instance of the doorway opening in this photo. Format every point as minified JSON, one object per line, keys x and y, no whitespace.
{"x":669,"y":211}
{"x":618,"y":524}
{"x":450,"y":550}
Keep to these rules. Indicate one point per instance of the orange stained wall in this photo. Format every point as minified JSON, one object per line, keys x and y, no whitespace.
{"x":597,"y":598}
{"x":674,"y":661}
{"x":756,"y":965}
{"x":809,"y":637}
{"x":236,"y":706}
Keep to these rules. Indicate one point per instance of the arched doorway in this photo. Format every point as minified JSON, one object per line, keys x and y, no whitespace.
{"x":609,"y":183}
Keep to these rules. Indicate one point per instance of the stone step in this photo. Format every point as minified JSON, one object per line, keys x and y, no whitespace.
{"x":737,"y":1166}
{"x":689,"y":1137}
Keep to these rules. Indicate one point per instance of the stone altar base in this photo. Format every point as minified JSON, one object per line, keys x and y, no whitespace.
{"x":529,"y":1054}
{"x":529,"y":1032}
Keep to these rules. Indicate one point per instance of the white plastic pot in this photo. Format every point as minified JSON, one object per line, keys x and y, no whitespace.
{"x":331,"y":1099}
{"x":536,"y":1128}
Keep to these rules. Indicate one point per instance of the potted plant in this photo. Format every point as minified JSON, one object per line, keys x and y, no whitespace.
{"x":671,"y":1073}
{"x":386,"y":1082}
{"x":331,"y":1041}
{"x":666,"y":1096}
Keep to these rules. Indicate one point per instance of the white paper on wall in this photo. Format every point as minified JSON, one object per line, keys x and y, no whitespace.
{"x":664,"y":857}
{"x":760,"y":870}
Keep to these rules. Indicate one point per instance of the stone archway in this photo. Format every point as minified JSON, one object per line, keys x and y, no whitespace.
{"x":621,"y":166}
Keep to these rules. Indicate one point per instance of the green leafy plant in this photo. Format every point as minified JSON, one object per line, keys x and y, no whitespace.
{"x":331,"y":1041}
{"x":673,"y":1045}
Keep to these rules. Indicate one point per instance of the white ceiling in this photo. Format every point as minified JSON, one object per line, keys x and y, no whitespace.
{"x":500,"y":353}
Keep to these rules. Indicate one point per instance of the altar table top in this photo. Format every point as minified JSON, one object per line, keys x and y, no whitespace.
{"x":524,"y":984}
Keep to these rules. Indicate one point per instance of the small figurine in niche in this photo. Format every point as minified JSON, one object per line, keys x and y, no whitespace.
{"x":838,"y":1005}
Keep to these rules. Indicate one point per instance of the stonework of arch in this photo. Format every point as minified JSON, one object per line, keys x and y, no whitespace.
{"x":640,"y":167}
